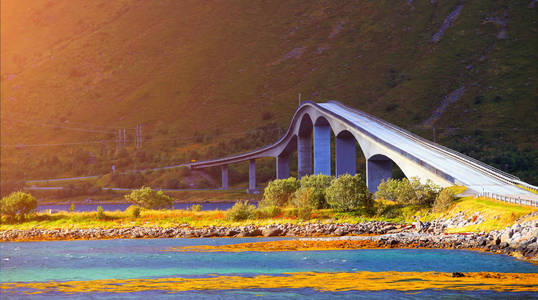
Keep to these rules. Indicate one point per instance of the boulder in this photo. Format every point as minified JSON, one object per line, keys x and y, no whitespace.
{"x":271,"y":232}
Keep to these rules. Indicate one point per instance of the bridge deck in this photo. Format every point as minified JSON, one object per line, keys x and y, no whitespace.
{"x":469,"y":176}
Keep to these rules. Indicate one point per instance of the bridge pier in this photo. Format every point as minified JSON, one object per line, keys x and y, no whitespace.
{"x":346,"y":155}
{"x":224,"y":176}
{"x":304,"y":155}
{"x":252,"y":177}
{"x":322,"y":148}
{"x":378,"y":167}
{"x":283,"y":166}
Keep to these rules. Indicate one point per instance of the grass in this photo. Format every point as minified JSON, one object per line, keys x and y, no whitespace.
{"x":497,"y":214}
{"x":162,"y":218}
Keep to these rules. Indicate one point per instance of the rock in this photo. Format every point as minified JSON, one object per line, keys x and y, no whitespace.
{"x":506,"y":235}
{"x":418,"y":226}
{"x":271,"y":232}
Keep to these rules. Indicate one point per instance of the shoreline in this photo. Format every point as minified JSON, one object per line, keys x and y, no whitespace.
{"x":123,"y":202}
{"x":519,"y":242}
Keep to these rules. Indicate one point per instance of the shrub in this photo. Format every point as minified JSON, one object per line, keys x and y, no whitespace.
{"x":425,"y":193}
{"x":100,"y":213}
{"x":241,"y":211}
{"x":196,"y":207}
{"x":17,"y":205}
{"x":444,"y":200}
{"x":318,"y":184}
{"x":279,"y":192}
{"x":268,"y":212}
{"x":302,"y":200}
{"x":348,"y":193}
{"x":133,"y":211}
{"x":408,"y":191}
{"x":72,"y":207}
{"x":150,"y":199}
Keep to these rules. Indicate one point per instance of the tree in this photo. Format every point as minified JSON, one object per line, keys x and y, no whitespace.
{"x":148,"y":198}
{"x":18,"y":205}
{"x":348,"y":193}
{"x":278,"y":192}
{"x":318,"y":185}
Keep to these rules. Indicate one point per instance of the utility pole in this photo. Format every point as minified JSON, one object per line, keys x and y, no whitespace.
{"x":141,"y":136}
{"x":136,"y":139}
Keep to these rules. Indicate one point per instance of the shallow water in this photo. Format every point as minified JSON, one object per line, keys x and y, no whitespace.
{"x":135,"y":259}
{"x":123,"y":206}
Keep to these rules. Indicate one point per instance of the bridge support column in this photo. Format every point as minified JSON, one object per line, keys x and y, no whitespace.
{"x":377,"y":168}
{"x":224,"y":173}
{"x":252,"y":177}
{"x":346,"y":156}
{"x":322,"y":149}
{"x":283,"y":166}
{"x":304,"y":155}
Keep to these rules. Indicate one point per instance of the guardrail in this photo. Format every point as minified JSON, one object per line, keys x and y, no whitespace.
{"x":509,"y":199}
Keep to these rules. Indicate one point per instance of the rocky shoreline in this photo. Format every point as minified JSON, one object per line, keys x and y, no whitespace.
{"x":520,"y":240}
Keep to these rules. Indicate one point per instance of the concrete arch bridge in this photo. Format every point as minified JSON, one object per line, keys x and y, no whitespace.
{"x":383,"y":145}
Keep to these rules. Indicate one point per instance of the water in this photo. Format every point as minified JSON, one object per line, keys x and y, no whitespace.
{"x":123,"y":206}
{"x":131,"y":259}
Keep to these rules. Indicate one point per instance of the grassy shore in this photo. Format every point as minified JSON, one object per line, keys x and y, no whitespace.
{"x":496,"y":214}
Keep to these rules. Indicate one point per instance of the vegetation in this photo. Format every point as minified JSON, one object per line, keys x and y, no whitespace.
{"x":304,"y":203}
{"x":348,"y":193}
{"x":241,"y":211}
{"x":196,"y":207}
{"x":148,"y":198}
{"x":317,"y":184}
{"x":395,"y":72}
{"x":279,"y":192}
{"x":17,"y":205}
{"x":100,"y":213}
{"x":133,"y":211}
{"x":406,"y":191}
{"x":444,"y":200}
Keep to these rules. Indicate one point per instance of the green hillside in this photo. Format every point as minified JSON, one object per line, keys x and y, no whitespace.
{"x":202,"y":76}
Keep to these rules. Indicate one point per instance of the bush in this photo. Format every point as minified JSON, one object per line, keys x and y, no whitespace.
{"x":278,"y":192}
{"x":425,"y":193}
{"x":150,"y":199}
{"x":408,"y":192}
{"x":348,"y":193}
{"x":133,"y":211}
{"x":318,"y":184}
{"x":302,"y":200}
{"x":196,"y":207}
{"x":241,"y":211}
{"x":444,"y":200}
{"x":100,"y":213}
{"x":17,"y":205}
{"x":72,"y":207}
{"x":268,"y":212}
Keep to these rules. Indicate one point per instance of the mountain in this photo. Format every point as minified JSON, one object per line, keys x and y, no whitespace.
{"x":197,"y":74}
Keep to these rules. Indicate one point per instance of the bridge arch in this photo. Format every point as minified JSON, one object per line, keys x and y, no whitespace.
{"x":304,"y":146}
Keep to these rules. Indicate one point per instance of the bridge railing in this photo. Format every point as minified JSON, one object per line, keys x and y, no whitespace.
{"x":435,"y":145}
{"x":510,"y":199}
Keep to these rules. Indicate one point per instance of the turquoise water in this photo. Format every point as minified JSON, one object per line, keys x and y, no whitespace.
{"x":124,"y":259}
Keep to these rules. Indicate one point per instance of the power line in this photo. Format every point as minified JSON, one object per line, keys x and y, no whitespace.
{"x":30,"y":123}
{"x":70,"y":122}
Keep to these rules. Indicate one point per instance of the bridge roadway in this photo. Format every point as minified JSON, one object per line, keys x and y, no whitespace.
{"x":382,"y":144}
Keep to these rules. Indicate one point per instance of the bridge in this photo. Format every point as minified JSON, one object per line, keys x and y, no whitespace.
{"x":383,"y":145}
